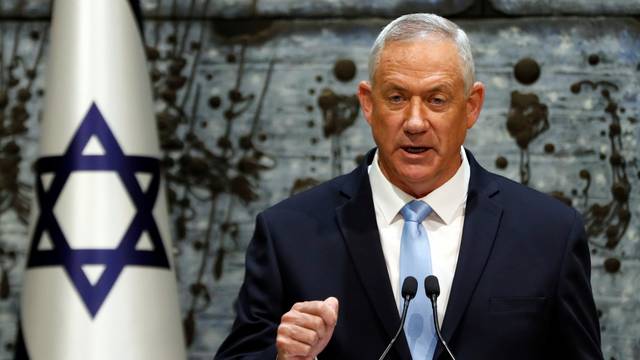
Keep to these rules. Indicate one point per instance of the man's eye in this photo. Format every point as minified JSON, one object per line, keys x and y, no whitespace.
{"x":396,"y":99}
{"x":438,"y":100}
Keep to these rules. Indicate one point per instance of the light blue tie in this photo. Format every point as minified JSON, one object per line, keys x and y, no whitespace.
{"x":415,"y":260}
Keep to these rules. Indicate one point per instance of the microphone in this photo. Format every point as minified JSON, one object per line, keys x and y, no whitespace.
{"x":409,"y":290}
{"x":432,"y":289}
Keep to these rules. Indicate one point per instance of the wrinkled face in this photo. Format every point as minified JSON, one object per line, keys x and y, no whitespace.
{"x":419,"y":112}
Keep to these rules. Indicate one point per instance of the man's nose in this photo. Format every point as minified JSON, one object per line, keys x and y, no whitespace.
{"x":416,"y":118}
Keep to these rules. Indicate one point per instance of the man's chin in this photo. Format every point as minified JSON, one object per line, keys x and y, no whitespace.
{"x":416,"y":184}
{"x":417,"y":174}
{"x":419,"y":181}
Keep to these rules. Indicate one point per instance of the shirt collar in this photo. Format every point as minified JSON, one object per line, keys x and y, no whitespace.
{"x":445,"y":200}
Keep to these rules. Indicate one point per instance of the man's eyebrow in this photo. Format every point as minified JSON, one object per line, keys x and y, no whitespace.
{"x":393,"y":87}
{"x":441,"y":87}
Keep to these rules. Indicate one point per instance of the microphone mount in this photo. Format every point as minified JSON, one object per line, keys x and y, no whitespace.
{"x":409,"y":290}
{"x":432,"y":290}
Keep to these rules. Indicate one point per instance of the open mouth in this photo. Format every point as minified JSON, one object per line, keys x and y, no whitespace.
{"x":415,"y":149}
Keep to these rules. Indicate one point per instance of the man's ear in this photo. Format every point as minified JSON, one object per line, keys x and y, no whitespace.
{"x":366,"y":102}
{"x":474,"y":103}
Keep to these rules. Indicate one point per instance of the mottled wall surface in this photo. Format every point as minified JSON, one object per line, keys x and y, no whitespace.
{"x":582,"y":7}
{"x":251,"y":111}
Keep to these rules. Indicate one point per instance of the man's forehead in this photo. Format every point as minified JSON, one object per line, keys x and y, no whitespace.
{"x":425,"y":40}
{"x":419,"y":57}
{"x":421,"y":43}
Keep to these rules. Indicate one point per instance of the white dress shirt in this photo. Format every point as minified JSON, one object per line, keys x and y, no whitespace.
{"x":444,"y":226}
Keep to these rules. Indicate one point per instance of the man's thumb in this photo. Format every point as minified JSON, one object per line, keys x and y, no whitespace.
{"x":332,"y":303}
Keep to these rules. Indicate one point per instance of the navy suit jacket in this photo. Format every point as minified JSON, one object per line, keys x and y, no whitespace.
{"x":521,"y":288}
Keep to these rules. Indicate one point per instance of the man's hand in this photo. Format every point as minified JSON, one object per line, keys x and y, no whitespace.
{"x":306,"y":329}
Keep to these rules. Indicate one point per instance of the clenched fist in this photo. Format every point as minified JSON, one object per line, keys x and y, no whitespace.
{"x":306,"y":329}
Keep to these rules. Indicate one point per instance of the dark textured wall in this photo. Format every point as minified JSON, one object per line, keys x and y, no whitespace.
{"x":255,"y":101}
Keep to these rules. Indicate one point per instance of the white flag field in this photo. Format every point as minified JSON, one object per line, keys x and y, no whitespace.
{"x":100,"y":281}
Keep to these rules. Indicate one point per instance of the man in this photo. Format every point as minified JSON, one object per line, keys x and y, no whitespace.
{"x":324,"y":268}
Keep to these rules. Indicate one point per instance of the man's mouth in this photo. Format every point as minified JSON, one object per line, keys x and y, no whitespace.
{"x":415,"y":149}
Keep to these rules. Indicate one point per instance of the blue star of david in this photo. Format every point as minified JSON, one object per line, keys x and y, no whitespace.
{"x":114,"y":260}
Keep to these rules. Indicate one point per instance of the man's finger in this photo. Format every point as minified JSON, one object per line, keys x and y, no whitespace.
{"x":333,"y":303}
{"x":290,"y":347}
{"x":298,"y":333}
{"x":311,"y":307}
{"x":327,"y":309}
{"x":305,"y":320}
{"x":330,"y":311}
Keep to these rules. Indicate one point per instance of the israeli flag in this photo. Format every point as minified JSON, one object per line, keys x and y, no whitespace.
{"x":99,"y":282}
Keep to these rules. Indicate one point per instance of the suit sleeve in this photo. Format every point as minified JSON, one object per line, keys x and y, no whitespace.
{"x":259,"y":304}
{"x":576,"y":329}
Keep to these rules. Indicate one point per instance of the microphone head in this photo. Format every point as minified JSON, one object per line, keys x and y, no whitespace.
{"x":409,"y":287}
{"x":431,"y":286}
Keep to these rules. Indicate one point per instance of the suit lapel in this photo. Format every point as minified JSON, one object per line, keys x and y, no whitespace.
{"x":482,"y":219}
{"x":357,"y":221}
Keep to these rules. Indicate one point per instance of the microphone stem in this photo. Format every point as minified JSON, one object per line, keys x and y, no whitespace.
{"x":405,"y":306}
{"x":434,"y":306}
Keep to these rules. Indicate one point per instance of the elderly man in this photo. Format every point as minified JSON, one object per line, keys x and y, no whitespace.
{"x":325,"y":267}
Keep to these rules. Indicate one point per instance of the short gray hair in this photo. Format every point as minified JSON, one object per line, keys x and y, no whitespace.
{"x":414,"y":26}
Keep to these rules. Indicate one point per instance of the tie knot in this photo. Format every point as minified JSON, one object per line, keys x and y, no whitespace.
{"x":416,"y":211}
